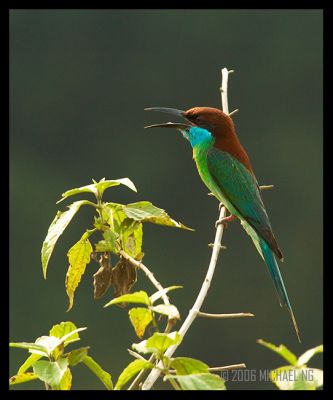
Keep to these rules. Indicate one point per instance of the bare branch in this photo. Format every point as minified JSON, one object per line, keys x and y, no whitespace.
{"x":233,"y":112}
{"x":217,"y":369}
{"x":234,"y":315}
{"x":266,"y":187}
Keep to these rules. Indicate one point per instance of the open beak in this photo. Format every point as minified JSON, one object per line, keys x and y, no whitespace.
{"x":172,"y":111}
{"x":169,"y":125}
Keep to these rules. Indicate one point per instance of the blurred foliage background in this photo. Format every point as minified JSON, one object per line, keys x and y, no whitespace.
{"x":79,"y":81}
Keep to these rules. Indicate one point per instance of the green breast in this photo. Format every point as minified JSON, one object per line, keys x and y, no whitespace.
{"x":200,"y":158}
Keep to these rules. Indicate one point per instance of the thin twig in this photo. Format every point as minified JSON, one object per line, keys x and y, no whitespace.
{"x":233,"y":112}
{"x":266,"y":187}
{"x":155,"y":373}
{"x":149,"y":274}
{"x":234,"y":315}
{"x":217,"y":369}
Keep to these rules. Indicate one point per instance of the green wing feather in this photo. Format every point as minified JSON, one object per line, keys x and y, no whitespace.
{"x":241,"y":188}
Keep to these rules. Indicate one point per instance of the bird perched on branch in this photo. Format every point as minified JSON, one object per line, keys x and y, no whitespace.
{"x":226,"y":170}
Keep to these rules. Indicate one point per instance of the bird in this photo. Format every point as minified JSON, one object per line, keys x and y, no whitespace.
{"x":226,"y":170}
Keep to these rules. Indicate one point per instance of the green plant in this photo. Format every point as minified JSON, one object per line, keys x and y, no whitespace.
{"x":55,"y":371}
{"x":297,"y":375}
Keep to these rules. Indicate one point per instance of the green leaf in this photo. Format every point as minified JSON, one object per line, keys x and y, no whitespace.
{"x":140,"y":297}
{"x":23,"y":377}
{"x":57,"y":227}
{"x":103,"y":184}
{"x":66,"y":380}
{"x":32,"y":347}
{"x":281,"y":350}
{"x":28,"y":363}
{"x":204,"y":381}
{"x":158,"y":343}
{"x":72,"y":336}
{"x":114,"y":215}
{"x":187,"y":366}
{"x":51,"y":372}
{"x":63,"y":329}
{"x":97,"y":188}
{"x":145,"y":211}
{"x":140,"y":318}
{"x":131,"y":370}
{"x":304,"y":358}
{"x":162,"y":292}
{"x":52,"y":345}
{"x":104,"y":376}
{"x":167,"y":309}
{"x":79,"y":257}
{"x":109,"y":242}
{"x":131,"y":237}
{"x":88,"y":188}
{"x":76,"y":356}
{"x":291,"y":378}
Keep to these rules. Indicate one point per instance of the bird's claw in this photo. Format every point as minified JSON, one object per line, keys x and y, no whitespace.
{"x":224,"y":220}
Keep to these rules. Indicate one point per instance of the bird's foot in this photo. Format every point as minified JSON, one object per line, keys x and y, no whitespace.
{"x":225,"y":220}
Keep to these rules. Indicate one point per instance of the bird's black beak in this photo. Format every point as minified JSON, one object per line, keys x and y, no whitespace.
{"x":172,"y":111}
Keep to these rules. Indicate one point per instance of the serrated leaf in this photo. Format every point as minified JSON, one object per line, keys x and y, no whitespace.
{"x":204,"y":381}
{"x":291,"y":378}
{"x":187,"y":366}
{"x":57,"y":227}
{"x":140,"y":318}
{"x":140,"y":297}
{"x":162,"y":292}
{"x":51,"y":372}
{"x":28,"y":363}
{"x":76,"y":356}
{"x":167,"y":309}
{"x":158,"y":343}
{"x":131,"y":370}
{"x":104,"y":376}
{"x":281,"y":350}
{"x":145,"y":211}
{"x":23,"y":377}
{"x":304,"y":358}
{"x":79,"y":257}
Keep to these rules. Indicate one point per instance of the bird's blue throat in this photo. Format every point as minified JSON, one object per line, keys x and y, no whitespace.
{"x":198,"y":136}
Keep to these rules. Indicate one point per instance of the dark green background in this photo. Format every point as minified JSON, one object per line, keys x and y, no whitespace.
{"x":79,"y":81}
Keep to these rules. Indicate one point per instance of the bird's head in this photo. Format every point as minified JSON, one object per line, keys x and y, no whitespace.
{"x":202,"y":122}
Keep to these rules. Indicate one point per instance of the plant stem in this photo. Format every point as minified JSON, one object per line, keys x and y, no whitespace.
{"x":149,"y":274}
{"x":234,"y":315}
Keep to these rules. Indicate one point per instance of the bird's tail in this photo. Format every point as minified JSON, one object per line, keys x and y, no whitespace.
{"x":278,"y":281}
